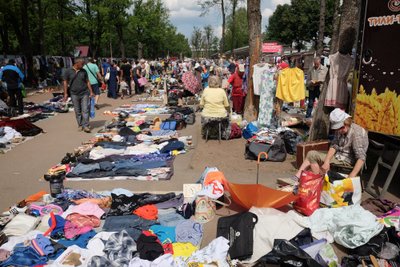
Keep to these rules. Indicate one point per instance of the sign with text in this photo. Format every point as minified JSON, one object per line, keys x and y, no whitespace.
{"x":378,"y":94}
{"x":272,"y":48}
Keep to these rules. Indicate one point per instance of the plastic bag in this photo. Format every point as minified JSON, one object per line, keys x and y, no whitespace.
{"x":342,"y":192}
{"x":250,"y":131}
{"x":285,"y":253}
{"x":309,"y":193}
{"x":92,"y":107}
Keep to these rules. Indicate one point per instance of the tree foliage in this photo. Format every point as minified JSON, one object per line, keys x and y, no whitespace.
{"x":241,"y":35}
{"x":298,"y":22}
{"x":117,"y":27}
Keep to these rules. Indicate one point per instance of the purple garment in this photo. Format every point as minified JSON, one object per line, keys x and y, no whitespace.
{"x":172,"y":203}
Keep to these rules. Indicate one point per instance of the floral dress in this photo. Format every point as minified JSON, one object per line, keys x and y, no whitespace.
{"x":267,"y":94}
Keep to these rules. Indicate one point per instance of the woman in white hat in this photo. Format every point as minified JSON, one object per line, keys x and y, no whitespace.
{"x":348,"y":148}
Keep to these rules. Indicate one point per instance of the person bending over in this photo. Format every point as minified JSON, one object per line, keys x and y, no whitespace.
{"x":348,"y":148}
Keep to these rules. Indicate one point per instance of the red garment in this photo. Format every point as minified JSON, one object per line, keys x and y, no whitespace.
{"x":236,"y":80}
{"x":238,"y":104}
{"x":148,"y":212}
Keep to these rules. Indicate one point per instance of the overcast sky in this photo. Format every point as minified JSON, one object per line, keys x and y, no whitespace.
{"x":185,"y":14}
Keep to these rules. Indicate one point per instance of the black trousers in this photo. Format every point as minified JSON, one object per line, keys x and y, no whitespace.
{"x":16,"y":99}
{"x":312,"y":95}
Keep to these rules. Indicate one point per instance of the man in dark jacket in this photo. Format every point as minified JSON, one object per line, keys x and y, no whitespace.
{"x":12,"y":77}
{"x":76,"y":78}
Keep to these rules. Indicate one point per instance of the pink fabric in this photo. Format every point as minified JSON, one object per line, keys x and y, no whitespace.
{"x":88,"y":208}
{"x":71,"y":230}
{"x":337,"y":94}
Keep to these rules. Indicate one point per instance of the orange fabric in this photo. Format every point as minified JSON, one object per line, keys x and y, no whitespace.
{"x":216,"y":176}
{"x":257,"y":195}
{"x":252,"y":195}
{"x":35,"y":197}
{"x":148,"y":212}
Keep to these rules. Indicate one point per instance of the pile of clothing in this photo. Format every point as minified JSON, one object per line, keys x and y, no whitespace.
{"x":9,"y":136}
{"x":112,"y":228}
{"x":125,"y":149}
{"x":46,"y":109}
{"x":140,"y":109}
{"x":14,"y":131}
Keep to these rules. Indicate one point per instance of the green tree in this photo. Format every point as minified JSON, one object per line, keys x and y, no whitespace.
{"x":241,"y":35}
{"x":298,"y":22}
{"x":206,"y":6}
{"x":196,"y":41}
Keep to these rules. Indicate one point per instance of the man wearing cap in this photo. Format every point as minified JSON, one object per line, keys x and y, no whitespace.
{"x":348,"y":148}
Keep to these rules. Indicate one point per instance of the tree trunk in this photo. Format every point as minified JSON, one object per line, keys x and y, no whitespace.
{"x":41,"y":47}
{"x":4,"y":38}
{"x":254,"y":25}
{"x":62,"y":34}
{"x":120,"y":33}
{"x":25,"y":43}
{"x":349,"y":18}
{"x":223,"y":26}
{"x":91,"y":33}
{"x":336,"y":25}
{"x":140,"y":50}
{"x":233,"y":30}
{"x":321,"y":29}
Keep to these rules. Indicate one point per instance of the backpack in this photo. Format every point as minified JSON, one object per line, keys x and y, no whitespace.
{"x":190,"y":119}
{"x":250,"y":131}
{"x":236,"y":132}
{"x":276,"y":152}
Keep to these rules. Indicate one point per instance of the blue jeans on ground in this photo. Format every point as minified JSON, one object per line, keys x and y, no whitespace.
{"x":81,"y":107}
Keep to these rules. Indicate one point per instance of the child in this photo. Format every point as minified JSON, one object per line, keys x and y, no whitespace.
{"x":124,"y":88}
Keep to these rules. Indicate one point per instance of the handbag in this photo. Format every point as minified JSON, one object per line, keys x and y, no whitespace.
{"x":168,"y":125}
{"x":142,"y":81}
{"x":239,"y":230}
{"x":107,"y":76}
{"x":205,"y":208}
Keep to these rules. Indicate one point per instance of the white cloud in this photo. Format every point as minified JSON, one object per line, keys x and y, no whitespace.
{"x":280,"y":2}
{"x":175,"y":5}
{"x":218,"y":31}
{"x":183,"y":13}
{"x":266,"y":13}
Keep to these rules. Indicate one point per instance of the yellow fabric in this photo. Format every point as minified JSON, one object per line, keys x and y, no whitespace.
{"x":183,"y":249}
{"x":214,"y":102}
{"x":291,"y":85}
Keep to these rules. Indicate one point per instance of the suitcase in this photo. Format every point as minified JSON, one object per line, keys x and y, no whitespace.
{"x":303,"y":148}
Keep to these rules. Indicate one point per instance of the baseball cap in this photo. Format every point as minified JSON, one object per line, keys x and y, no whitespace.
{"x":337,"y":118}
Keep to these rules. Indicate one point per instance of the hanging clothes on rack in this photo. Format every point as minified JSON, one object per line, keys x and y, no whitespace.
{"x":337,"y":94}
{"x":291,"y":85}
{"x":246,"y":76}
{"x":267,"y":94}
{"x":257,"y":73}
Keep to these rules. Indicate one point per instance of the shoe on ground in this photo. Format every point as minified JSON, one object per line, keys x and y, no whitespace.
{"x":80,"y":129}
{"x":86,"y":129}
{"x":96,"y":107}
